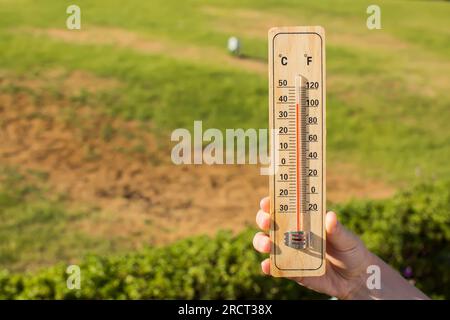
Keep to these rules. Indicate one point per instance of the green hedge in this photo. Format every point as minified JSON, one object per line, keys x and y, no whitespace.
{"x":411,"y":229}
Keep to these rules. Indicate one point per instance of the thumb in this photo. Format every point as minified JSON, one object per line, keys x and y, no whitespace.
{"x":338,"y":236}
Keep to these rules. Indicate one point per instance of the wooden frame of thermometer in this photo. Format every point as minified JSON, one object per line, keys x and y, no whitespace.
{"x":297,"y":118}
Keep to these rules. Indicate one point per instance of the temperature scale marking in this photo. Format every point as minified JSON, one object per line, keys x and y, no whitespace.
{"x":297,"y":118}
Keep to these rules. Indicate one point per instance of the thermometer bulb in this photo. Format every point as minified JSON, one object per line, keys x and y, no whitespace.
{"x":296,"y":239}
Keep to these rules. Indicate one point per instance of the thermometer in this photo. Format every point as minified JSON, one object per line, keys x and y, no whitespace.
{"x":297,"y":118}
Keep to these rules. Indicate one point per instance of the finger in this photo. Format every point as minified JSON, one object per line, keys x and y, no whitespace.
{"x":265,"y":266}
{"x":263,"y":220}
{"x":265,"y":204}
{"x":337,"y":235}
{"x":261,"y":242}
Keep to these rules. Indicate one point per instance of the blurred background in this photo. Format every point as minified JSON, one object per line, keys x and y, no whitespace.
{"x":86,"y":116}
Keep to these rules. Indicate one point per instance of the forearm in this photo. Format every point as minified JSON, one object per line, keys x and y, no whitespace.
{"x":392,"y":285}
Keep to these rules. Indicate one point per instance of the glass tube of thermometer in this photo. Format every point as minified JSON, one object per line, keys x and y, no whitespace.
{"x":297,"y":117}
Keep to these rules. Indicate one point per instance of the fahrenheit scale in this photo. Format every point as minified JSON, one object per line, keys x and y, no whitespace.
{"x":297,"y":118}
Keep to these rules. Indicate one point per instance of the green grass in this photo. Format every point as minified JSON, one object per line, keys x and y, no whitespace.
{"x":38,"y":228}
{"x":380,"y":117}
{"x":387,"y":97}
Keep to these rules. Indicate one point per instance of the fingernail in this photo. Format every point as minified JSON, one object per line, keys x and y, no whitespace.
{"x":264,"y":243}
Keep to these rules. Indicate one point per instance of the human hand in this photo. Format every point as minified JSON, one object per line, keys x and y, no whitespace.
{"x":346,"y":258}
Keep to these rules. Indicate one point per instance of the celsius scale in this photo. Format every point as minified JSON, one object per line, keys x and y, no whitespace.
{"x":297,"y":118}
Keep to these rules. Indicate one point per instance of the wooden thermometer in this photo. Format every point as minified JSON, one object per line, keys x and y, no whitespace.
{"x":297,"y":118}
